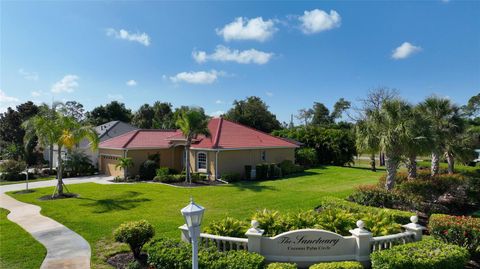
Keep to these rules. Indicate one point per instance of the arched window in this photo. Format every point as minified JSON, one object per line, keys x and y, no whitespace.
{"x":202,"y":162}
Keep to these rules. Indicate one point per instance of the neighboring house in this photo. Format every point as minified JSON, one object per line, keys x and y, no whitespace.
{"x":228,"y":149}
{"x":105,"y":131}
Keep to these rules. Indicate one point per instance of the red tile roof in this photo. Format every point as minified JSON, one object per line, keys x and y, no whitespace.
{"x":224,"y":134}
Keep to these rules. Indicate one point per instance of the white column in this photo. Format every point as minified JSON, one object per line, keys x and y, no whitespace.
{"x":363,"y":238}
{"x":254,"y":235}
{"x":415,"y":228}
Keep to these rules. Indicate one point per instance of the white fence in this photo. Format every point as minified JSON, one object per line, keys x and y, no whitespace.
{"x":308,"y":246}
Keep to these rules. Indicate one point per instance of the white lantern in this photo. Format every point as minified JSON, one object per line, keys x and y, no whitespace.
{"x":193,"y":214}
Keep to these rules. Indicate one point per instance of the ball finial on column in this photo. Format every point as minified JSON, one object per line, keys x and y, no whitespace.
{"x":360,"y":224}
{"x":414,"y":219}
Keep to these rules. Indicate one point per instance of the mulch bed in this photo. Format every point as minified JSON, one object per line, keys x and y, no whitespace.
{"x":57,"y":197}
{"x":121,"y":260}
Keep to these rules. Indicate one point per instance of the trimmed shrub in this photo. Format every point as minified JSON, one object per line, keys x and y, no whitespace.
{"x":337,"y":265}
{"x":282,"y":265}
{"x":306,"y":157}
{"x":288,"y":168}
{"x":228,"y":227}
{"x":271,"y":171}
{"x":135,"y":234}
{"x":459,"y":230}
{"x":248,"y":172}
{"x":373,"y":195}
{"x":261,"y":171}
{"x":199,"y":176}
{"x":148,"y":170}
{"x":11,"y":170}
{"x":425,"y":254}
{"x":231,"y":177}
{"x":173,"y":254}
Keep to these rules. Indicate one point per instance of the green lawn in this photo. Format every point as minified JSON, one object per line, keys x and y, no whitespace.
{"x":18,"y":249}
{"x":3,"y":182}
{"x":101,"y":208}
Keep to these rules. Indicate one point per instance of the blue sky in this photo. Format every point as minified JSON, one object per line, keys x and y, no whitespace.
{"x":210,"y":53}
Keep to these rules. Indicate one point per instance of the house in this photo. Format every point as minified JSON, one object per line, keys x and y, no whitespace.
{"x":105,"y":131}
{"x":228,"y":149}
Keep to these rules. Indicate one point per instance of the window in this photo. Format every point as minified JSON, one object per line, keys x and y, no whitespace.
{"x":264,"y":156}
{"x":201,"y":162}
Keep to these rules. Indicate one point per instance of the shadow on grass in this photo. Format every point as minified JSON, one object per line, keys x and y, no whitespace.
{"x":256,"y":186}
{"x":126,"y":201}
{"x":365,"y":168}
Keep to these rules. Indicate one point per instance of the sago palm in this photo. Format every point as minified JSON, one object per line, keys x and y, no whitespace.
{"x":192,"y":123}
{"x":125,"y":163}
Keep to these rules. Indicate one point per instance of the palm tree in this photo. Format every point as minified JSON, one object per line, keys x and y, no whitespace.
{"x":366,"y":140}
{"x":419,"y":141}
{"x":391,"y":125}
{"x":125,"y":163}
{"x":62,"y":131}
{"x":192,"y":123}
{"x":446,"y":124}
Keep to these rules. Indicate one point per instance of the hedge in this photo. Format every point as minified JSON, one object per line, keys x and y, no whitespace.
{"x":337,"y":265}
{"x":459,"y":230}
{"x":426,"y":254}
{"x":282,"y":265}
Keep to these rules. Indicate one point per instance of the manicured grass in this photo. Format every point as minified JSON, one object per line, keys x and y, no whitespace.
{"x":18,"y":249}
{"x":2,"y":182}
{"x":102,"y":208}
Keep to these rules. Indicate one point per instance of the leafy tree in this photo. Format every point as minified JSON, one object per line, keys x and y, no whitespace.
{"x":367,"y":140}
{"x":163,"y":118}
{"x":321,"y":114}
{"x":253,"y":112}
{"x":340,"y":106}
{"x":62,"y":131}
{"x":143,"y":118}
{"x":110,"y":112}
{"x":27,"y":110}
{"x":73,"y":109}
{"x":472,"y":108}
{"x":192,"y":122}
{"x":125,"y":163}
{"x":305,"y":115}
{"x":446,"y":124}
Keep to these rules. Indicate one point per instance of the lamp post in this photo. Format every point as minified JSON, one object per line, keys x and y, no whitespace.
{"x":193,"y":215}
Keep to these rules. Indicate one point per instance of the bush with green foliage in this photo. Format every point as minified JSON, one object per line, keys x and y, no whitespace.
{"x":198,"y":177}
{"x":248,"y":172}
{"x":228,"y":227}
{"x":281,"y":265}
{"x":306,"y":157}
{"x":231,"y":177}
{"x":425,"y":254}
{"x":271,"y":171}
{"x":288,"y":168}
{"x":377,"y":196}
{"x":77,"y":163}
{"x":168,"y":175}
{"x":11,"y":169}
{"x":174,"y":254}
{"x":459,"y":230}
{"x":337,"y":265}
{"x":148,"y":170}
{"x":135,"y":234}
{"x":261,"y":172}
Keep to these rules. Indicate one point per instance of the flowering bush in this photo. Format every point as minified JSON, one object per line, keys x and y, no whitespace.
{"x":460,"y":230}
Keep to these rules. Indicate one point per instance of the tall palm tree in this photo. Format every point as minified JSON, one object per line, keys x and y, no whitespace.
{"x":446,"y":124}
{"x":125,"y":163}
{"x":419,"y":141}
{"x":62,"y":131}
{"x":192,"y":123}
{"x":366,"y":140}
{"x":391,"y":125}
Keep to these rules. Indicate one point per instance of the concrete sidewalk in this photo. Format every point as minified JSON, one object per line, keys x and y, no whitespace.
{"x":65,"y":248}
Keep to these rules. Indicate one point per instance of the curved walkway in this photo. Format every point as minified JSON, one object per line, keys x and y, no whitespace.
{"x":65,"y":248}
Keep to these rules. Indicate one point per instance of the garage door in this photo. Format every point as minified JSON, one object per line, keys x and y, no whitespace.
{"x":108,"y":166}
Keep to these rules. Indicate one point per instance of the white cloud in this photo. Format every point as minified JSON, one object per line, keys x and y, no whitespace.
{"x":141,"y":38}
{"x":269,"y":94}
{"x":116,"y":97}
{"x":28,"y":75}
{"x":131,"y":83}
{"x":67,"y":84}
{"x":245,"y":29}
{"x":405,"y":50}
{"x":225,"y":54}
{"x":217,"y":113}
{"x":6,"y":101}
{"x":317,"y":20}
{"x":36,"y":93}
{"x":219,"y":102}
{"x":200,"y":77}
